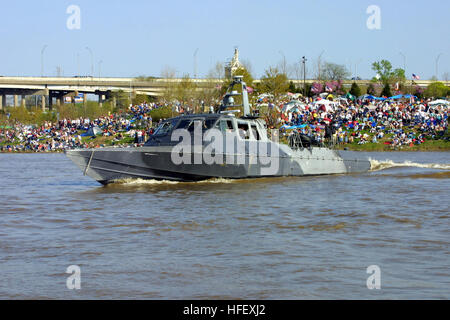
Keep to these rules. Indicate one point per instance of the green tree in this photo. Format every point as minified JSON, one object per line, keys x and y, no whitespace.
{"x":292,"y":88}
{"x":386,"y":75}
{"x":242,"y":71}
{"x":307,"y":86}
{"x":274,"y":82}
{"x":371,"y":89}
{"x":436,"y":90}
{"x":355,"y":90}
{"x":386,"y":90}
{"x":161,"y":113}
{"x":140,"y":98}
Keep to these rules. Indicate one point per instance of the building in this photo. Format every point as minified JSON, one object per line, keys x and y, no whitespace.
{"x":233,"y":65}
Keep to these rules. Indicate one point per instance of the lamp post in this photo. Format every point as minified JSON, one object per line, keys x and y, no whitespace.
{"x":404,"y":68}
{"x":437,"y":60}
{"x":92,"y":61}
{"x":42,"y":59}
{"x":195,"y":63}
{"x":100,"y":68}
{"x":404,"y":61}
{"x":356,"y":68}
{"x":284,"y":62}
{"x":304,"y":75}
{"x":78,"y":64}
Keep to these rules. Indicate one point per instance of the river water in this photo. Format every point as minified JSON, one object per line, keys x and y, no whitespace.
{"x":280,"y":238}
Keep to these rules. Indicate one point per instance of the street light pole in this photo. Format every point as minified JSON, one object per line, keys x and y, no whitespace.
{"x":42,"y":60}
{"x":78,"y":64}
{"x":195,"y":63}
{"x":92,"y":61}
{"x":437,"y":60}
{"x":304,"y":75}
{"x":356,"y":68}
{"x":100,"y":68}
{"x":404,"y":62}
{"x":284,"y":62}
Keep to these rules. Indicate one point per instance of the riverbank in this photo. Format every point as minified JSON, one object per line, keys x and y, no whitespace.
{"x":427,"y":146}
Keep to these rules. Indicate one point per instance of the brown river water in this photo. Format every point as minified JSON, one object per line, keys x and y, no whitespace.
{"x":279,"y":238}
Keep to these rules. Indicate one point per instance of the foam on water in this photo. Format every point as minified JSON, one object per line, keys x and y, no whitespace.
{"x":134,"y":182}
{"x":381,"y":165}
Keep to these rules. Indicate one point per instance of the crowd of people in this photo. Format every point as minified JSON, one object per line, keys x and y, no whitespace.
{"x":339,"y":122}
{"x":398,"y":122}
{"x":136,"y":123}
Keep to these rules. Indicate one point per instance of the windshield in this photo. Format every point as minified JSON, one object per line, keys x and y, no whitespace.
{"x":165,"y":127}
{"x":189,"y":124}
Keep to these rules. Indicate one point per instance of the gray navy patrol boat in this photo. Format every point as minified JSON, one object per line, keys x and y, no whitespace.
{"x":216,"y":145}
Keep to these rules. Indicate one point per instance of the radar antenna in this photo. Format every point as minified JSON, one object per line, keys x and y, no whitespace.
{"x":228,"y":100}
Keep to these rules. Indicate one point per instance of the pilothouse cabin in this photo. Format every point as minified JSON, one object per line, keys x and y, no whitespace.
{"x":242,"y":128}
{"x":247,"y":128}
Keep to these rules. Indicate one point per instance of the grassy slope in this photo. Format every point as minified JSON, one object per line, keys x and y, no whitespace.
{"x":430,"y":145}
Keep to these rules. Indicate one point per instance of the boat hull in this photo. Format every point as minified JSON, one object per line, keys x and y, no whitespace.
{"x":107,"y":165}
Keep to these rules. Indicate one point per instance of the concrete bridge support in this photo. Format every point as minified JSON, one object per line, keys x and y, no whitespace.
{"x":43,"y":97}
{"x":50,"y":101}
{"x":2,"y":101}
{"x":60,"y":101}
{"x":101,"y":99}
{"x":16,"y":100}
{"x":23,"y":101}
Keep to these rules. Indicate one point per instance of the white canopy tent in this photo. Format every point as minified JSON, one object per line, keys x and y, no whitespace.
{"x":329,"y":105}
{"x":439,"y":102}
{"x":292,"y":105}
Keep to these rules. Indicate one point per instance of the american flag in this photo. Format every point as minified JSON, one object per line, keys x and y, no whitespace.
{"x":415,"y":76}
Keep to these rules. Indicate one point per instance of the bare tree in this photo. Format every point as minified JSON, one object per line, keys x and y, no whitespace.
{"x":282,"y":65}
{"x":168,"y":73}
{"x":217,"y":72}
{"x":446,"y":76}
{"x":274,"y":82}
{"x":296,"y":70}
{"x":333,"y":71}
{"x":319,"y":67}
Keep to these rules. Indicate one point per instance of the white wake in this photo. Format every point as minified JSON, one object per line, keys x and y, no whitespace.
{"x":137,"y":182}
{"x":381,"y":165}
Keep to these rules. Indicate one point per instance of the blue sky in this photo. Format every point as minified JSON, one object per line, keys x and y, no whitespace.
{"x":135,"y":37}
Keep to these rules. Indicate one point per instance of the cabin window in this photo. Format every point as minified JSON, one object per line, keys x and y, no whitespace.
{"x":209,"y":123}
{"x":184,"y":124}
{"x":189,"y":124}
{"x":165,"y":127}
{"x":244,"y":131}
{"x":255,"y":132}
{"x":225,"y":125}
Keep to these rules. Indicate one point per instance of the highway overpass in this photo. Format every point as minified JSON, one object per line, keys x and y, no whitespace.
{"x":58,"y":88}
